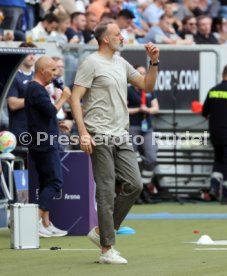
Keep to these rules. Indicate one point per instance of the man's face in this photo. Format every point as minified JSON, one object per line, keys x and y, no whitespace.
{"x":204,"y":26}
{"x":116,"y":40}
{"x":60,"y":68}
{"x":116,"y":5}
{"x":80,"y":22}
{"x":50,"y":27}
{"x":63,"y":26}
{"x":49,"y":72}
{"x":191,"y":26}
{"x":165,"y":24}
{"x":124,"y":23}
{"x":91,"y":22}
{"x":29,"y":61}
{"x":141,"y":70}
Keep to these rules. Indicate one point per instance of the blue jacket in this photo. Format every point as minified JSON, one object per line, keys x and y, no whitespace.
{"x":13,"y":3}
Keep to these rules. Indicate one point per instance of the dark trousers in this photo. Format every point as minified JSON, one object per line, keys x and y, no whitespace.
{"x":220,"y":160}
{"x":49,"y":170}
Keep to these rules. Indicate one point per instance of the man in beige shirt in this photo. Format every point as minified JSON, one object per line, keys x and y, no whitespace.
{"x":101,"y":81}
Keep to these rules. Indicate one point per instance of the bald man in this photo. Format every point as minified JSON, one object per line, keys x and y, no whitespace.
{"x":44,"y":148}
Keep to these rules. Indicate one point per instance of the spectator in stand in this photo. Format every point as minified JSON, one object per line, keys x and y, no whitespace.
{"x":209,"y":7}
{"x":153,"y":12}
{"x":189,"y":27}
{"x":125,"y":21}
{"x":75,"y":35}
{"x":115,"y":7}
{"x":59,"y":34}
{"x":223,"y":8}
{"x":169,"y":11}
{"x":72,"y":6}
{"x":17,"y":94}
{"x":44,"y":28}
{"x":32,"y":13}
{"x":219,"y":29}
{"x":164,"y":33}
{"x":15,"y":35}
{"x":142,"y":106}
{"x":137,"y":21}
{"x":78,"y":24}
{"x":188,"y":8}
{"x":90,"y":27}
{"x":51,"y":6}
{"x":99,"y":7}
{"x":13,"y":11}
{"x":204,"y":34}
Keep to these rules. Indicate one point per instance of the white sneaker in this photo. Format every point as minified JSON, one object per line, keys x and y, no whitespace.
{"x":110,"y":257}
{"x":43,"y":232}
{"x":55,"y":232}
{"x":95,"y":238}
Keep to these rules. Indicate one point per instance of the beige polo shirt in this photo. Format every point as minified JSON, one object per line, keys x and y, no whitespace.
{"x":105,"y":102}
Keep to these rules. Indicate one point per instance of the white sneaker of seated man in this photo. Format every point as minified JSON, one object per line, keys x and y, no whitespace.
{"x":112,"y":256}
{"x":50,"y":231}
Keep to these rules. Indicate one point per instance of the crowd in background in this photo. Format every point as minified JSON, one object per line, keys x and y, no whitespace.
{"x":183,"y":22}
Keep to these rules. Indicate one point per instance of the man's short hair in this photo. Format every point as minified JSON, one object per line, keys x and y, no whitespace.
{"x":50,"y":18}
{"x":100,"y":31}
{"x":74,"y":15}
{"x":187,"y":18}
{"x":201,"y":17}
{"x":27,"y":45}
{"x":127,"y":14}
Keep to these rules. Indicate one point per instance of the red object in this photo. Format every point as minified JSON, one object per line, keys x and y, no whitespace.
{"x":143,"y":98}
{"x":196,"y":107}
{"x":196,"y":231}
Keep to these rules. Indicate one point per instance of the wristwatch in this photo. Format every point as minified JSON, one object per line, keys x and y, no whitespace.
{"x":155,"y":64}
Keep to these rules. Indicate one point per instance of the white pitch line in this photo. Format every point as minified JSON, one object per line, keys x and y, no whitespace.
{"x":224,"y":242}
{"x":67,"y":249}
{"x":210,"y":249}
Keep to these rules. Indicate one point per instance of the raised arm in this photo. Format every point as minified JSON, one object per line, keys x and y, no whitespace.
{"x":148,"y":82}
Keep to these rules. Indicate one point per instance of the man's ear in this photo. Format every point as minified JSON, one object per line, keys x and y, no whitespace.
{"x":106,"y":39}
{"x":42,"y":71}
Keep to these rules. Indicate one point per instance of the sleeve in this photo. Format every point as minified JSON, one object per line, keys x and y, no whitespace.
{"x":85,"y":74}
{"x":14,"y":89}
{"x":69,"y":33}
{"x":132,"y":73}
{"x":43,"y":104}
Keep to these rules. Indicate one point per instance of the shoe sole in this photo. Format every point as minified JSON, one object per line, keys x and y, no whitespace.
{"x":107,"y":261}
{"x":44,"y":236}
{"x":59,"y":235}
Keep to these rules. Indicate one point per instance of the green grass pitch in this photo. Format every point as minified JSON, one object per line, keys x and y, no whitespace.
{"x":155,"y":250}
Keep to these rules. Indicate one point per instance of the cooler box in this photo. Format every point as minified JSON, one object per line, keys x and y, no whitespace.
{"x":24,"y":221}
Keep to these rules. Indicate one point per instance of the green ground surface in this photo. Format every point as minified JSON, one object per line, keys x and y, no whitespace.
{"x":156,"y":249}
